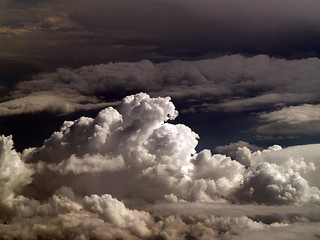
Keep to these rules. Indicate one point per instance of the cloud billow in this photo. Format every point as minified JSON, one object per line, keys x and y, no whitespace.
{"x":106,"y":177}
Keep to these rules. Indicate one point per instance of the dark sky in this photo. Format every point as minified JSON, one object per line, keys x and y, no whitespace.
{"x":243,"y":74}
{"x":224,"y":63}
{"x":50,"y":34}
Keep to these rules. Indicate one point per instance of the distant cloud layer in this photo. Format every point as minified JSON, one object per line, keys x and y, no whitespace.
{"x":128,"y":173}
{"x":229,"y":84}
{"x":81,"y":32}
{"x":284,"y":93}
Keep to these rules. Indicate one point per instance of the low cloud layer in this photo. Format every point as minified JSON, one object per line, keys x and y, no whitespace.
{"x":129,"y":173}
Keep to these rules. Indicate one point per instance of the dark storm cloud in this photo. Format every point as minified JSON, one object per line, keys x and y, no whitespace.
{"x":77,"y":33}
{"x":130,"y":174}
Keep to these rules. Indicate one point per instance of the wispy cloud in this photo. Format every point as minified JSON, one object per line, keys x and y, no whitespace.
{"x":303,"y":119}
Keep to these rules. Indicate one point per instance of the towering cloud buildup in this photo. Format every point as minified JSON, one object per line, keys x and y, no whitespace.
{"x":14,"y":173}
{"x":131,"y":174}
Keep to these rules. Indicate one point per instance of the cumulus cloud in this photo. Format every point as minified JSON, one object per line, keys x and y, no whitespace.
{"x":270,"y":184}
{"x":241,"y":151}
{"x":278,"y":176}
{"x":225,"y":84}
{"x":114,"y":211}
{"x":222,"y":174}
{"x":14,"y":173}
{"x":129,"y":173}
{"x":302,"y":159}
{"x":303,"y":119}
{"x":140,"y":147}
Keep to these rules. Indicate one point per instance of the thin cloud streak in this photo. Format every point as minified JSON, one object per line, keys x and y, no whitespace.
{"x":293,"y":120}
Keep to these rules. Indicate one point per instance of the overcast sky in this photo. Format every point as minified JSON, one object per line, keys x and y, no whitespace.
{"x":159,"y":119}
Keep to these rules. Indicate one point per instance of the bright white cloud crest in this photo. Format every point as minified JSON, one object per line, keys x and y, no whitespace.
{"x":105,"y":177}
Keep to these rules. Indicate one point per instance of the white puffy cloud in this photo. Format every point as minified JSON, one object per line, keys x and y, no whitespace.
{"x":240,"y":151}
{"x":270,"y":184}
{"x":136,"y":147}
{"x":302,"y":159}
{"x":129,"y":173}
{"x":133,"y":147}
{"x":14,"y":173}
{"x":226,"y":173}
{"x":278,"y":176}
{"x":115,"y":212}
{"x":62,"y":218}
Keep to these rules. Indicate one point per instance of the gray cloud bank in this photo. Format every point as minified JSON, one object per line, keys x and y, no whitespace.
{"x":285,"y":92}
{"x":230,"y":84}
{"x":130,"y":174}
